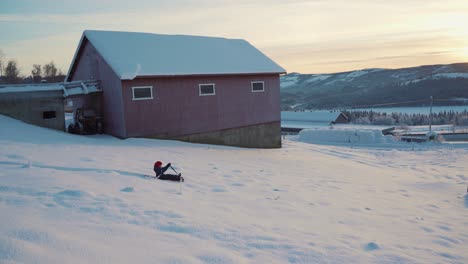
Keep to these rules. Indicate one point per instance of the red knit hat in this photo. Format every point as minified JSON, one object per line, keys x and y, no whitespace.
{"x":158,"y":163}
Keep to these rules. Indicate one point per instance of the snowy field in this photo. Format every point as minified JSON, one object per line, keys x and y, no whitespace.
{"x":75,"y":199}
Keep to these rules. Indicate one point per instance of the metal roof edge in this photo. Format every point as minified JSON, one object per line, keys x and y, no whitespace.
{"x":200,"y":74}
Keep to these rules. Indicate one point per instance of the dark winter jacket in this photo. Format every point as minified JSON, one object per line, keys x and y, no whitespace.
{"x":161,"y":170}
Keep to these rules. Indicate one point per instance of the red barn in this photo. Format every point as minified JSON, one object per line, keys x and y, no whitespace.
{"x":197,"y":89}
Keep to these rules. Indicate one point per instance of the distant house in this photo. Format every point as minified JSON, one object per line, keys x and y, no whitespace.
{"x":305,"y":119}
{"x":191,"y":88}
{"x":341,"y":119}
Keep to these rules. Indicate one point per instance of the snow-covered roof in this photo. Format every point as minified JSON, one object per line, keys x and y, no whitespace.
{"x":132,"y":54}
{"x":68,"y":88}
{"x":16,"y":88}
{"x":310,"y":116}
{"x":83,"y":88}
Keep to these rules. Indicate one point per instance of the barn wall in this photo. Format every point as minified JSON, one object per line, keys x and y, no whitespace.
{"x":91,"y":66}
{"x":30,"y":107}
{"x":177,"y":110}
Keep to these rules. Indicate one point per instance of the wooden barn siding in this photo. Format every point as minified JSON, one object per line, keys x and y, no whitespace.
{"x":177,"y":109}
{"x":91,"y":66}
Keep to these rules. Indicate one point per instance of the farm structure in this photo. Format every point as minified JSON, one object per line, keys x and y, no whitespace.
{"x":191,"y":88}
{"x":295,"y":121}
{"x":44,"y":104}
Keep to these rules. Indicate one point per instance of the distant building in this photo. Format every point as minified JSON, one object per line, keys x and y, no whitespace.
{"x":197,"y":89}
{"x":341,"y":119}
{"x":305,"y":119}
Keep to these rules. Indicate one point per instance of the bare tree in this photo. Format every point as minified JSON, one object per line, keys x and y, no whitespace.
{"x":36,"y":72}
{"x":12,"y":72}
{"x":50,"y":71}
{"x":2,"y":58}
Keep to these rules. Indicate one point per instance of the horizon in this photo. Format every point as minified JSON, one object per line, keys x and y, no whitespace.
{"x":301,"y":36}
{"x":364,"y":69}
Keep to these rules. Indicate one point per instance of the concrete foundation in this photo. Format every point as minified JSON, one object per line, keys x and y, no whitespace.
{"x":42,"y":108}
{"x":256,"y":136}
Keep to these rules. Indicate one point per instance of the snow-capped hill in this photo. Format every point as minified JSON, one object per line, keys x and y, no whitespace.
{"x":369,"y":86}
{"x":452,"y":75}
{"x":438,"y":76}
{"x":289,"y":80}
{"x":317,"y":78}
{"x":293,"y":79}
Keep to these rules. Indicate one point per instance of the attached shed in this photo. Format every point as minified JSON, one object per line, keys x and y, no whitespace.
{"x":40,"y":105}
{"x":43,"y":104}
{"x":197,"y":89}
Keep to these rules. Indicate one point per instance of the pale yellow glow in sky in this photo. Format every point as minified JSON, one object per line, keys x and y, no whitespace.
{"x":464,"y":53}
{"x":315,"y":36}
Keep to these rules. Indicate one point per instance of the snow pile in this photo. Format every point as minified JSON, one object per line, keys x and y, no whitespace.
{"x":131,"y":76}
{"x":327,"y":135}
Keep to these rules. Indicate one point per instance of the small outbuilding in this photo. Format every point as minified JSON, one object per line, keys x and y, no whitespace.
{"x":44,"y":104}
{"x":303,"y":119}
{"x":341,"y":119}
{"x":191,"y":88}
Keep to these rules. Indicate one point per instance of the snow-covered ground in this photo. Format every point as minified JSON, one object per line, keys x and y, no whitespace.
{"x":75,"y":199}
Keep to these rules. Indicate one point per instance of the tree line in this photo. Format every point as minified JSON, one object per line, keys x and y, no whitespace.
{"x":398,"y":118}
{"x":10,"y":73}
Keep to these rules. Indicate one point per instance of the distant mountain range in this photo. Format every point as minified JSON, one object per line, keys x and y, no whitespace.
{"x":448,"y":84}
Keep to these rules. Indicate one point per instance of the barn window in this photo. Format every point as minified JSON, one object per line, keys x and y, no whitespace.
{"x":49,"y":115}
{"x":207,"y":89}
{"x":142,"y":92}
{"x":258,"y":86}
